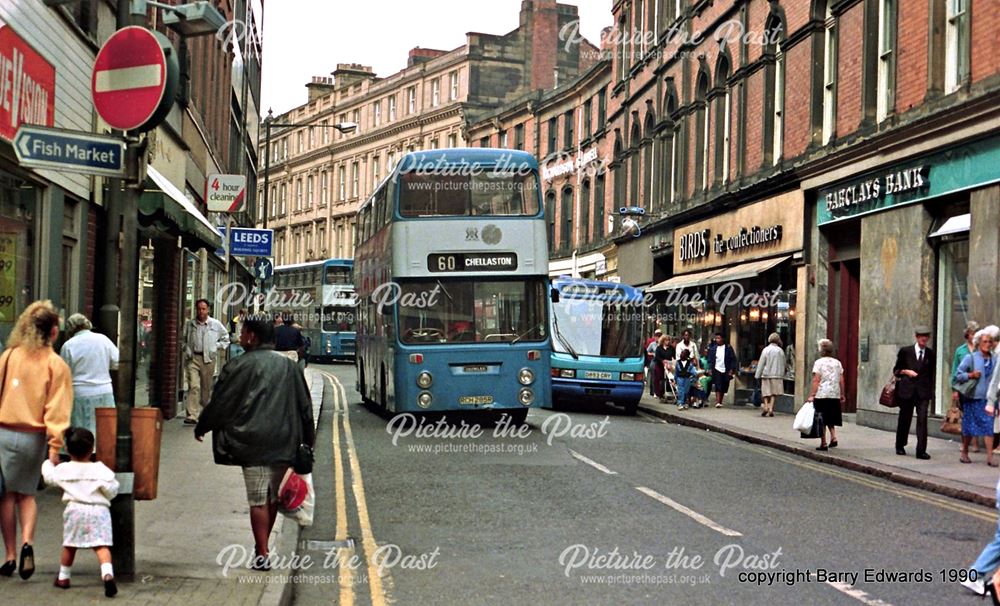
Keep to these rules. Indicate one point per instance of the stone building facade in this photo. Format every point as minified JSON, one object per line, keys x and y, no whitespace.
{"x":318,"y":176}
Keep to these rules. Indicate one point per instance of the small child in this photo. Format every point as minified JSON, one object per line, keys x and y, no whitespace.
{"x":87,"y":489}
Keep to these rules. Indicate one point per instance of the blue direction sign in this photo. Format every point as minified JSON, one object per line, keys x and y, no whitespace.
{"x":263,"y":268}
{"x":71,"y":151}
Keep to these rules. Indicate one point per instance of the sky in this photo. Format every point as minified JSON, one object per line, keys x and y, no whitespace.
{"x":306,"y":38}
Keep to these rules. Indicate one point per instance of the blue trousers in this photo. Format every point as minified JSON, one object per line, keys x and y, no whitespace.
{"x":683,"y":387}
{"x":989,"y":559}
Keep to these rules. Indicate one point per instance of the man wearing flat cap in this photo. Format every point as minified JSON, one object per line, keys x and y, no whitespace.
{"x":914,"y":372}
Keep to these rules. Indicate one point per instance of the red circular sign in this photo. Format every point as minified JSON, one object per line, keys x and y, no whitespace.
{"x":129,"y":79}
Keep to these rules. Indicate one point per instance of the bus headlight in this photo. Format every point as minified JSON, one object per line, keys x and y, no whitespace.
{"x":526,"y":396}
{"x":424,"y":380}
{"x":564,"y":373}
{"x":425,"y":399}
{"x":629,"y":376}
{"x":526,"y":377}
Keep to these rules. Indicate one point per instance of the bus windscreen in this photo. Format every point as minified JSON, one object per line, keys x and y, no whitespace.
{"x":591,"y":327}
{"x":482,"y":194}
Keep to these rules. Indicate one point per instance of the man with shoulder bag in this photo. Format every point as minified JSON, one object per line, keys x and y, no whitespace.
{"x":914,"y":371}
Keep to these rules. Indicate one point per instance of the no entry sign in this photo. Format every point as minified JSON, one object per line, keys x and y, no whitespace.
{"x":135,"y":79}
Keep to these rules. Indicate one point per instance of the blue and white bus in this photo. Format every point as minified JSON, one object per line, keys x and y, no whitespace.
{"x":329,"y":320}
{"x":597,"y":353}
{"x":451,"y":279}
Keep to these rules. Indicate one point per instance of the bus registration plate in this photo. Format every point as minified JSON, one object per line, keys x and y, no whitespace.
{"x":595,"y":374}
{"x":475,"y":400}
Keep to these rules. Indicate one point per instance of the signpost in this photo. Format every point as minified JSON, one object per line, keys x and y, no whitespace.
{"x":135,"y":79}
{"x":63,"y":150}
{"x":263,"y":269}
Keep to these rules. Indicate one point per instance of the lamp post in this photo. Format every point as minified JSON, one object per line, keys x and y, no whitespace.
{"x":344,"y":127}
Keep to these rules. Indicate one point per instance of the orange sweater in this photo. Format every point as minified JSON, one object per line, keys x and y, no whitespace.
{"x":37,"y":392}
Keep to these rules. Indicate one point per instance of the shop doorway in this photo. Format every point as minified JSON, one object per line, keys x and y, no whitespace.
{"x":845,"y":289}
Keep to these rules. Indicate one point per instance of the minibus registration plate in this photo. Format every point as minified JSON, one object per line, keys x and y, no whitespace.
{"x":594,"y":374}
{"x":475,"y":400}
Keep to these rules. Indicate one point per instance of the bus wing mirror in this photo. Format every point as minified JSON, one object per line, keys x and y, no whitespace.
{"x":555,"y":295}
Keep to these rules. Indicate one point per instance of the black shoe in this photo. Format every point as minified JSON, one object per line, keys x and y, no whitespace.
{"x":833,"y":444}
{"x":901,"y":452}
{"x":8,"y":568}
{"x":27,"y":564}
{"x":190,"y":421}
{"x":823,"y":448}
{"x":923,"y":456}
{"x":110,"y":588}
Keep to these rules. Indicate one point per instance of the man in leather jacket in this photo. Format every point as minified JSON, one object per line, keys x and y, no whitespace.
{"x":259,"y":414}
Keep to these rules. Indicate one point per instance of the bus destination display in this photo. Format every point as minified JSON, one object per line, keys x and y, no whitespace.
{"x":471,"y":262}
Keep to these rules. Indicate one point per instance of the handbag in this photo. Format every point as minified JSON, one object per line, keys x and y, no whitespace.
{"x":756,"y":398}
{"x":952,"y":421}
{"x":304,"y":458}
{"x":888,"y":396}
{"x":967,"y":389}
{"x":817,"y":429}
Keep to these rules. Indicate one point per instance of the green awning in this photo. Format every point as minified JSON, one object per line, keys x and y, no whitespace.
{"x":165,"y":207}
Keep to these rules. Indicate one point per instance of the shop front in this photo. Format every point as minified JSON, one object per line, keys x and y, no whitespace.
{"x":740,"y":274}
{"x":910,"y":244}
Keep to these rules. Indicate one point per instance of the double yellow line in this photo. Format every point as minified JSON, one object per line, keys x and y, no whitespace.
{"x":377,"y":583}
{"x":916,"y":495}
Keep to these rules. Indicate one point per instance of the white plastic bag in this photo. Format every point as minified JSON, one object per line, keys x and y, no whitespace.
{"x":804,"y":418}
{"x":303,"y":514}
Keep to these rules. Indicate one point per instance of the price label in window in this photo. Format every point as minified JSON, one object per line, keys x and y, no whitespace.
{"x":8,"y":276}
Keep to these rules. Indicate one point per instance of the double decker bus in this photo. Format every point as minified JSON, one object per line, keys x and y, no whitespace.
{"x":451,"y":279}
{"x":597,"y":352}
{"x":327,"y":316}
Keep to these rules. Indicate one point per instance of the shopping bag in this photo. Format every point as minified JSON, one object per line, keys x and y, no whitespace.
{"x":888,"y":396}
{"x":297,"y":497}
{"x":756,"y":398}
{"x":817,"y":429}
{"x":804,"y":418}
{"x":952,"y":421}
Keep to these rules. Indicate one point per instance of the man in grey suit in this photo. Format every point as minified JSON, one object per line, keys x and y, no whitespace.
{"x":914,"y":370}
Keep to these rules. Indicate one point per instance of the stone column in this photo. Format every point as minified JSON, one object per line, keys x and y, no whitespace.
{"x":984,"y":256}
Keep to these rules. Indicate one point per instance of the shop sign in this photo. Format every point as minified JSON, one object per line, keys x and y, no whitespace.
{"x":956,"y":169}
{"x":27,"y":85}
{"x":582,"y":160}
{"x":758,"y":230}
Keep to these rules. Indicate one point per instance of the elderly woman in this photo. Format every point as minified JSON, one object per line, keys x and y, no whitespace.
{"x":91,"y":356}
{"x":960,"y":352}
{"x":977,"y":416}
{"x":828,"y":391}
{"x":771,"y":373}
{"x":36,"y":402}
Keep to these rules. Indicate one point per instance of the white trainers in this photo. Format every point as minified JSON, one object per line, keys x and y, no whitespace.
{"x":978,"y":586}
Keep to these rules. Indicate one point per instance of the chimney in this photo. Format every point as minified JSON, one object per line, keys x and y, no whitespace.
{"x":540,"y":25}
{"x":349,"y":74}
{"x":320,"y":86}
{"x":423,"y":55}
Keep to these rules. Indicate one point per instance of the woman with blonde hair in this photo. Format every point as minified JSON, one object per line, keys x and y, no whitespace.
{"x":36,"y":398}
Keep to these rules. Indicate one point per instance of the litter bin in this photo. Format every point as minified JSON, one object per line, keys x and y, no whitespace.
{"x":147,"y":435}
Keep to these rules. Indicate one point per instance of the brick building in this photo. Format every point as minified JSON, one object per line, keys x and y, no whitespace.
{"x":839,"y":150}
{"x":318,"y":176}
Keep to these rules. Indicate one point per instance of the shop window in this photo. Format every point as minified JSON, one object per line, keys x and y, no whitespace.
{"x":952,"y":239}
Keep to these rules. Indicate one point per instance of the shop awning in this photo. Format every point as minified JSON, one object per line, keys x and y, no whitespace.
{"x":747,"y":270}
{"x":162,"y":202}
{"x":715,"y":276}
{"x":954,"y":225}
{"x":686,"y":281}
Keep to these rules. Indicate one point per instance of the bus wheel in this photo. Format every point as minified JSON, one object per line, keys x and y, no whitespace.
{"x":361,"y":382}
{"x":517,"y":417}
{"x":632,"y":408}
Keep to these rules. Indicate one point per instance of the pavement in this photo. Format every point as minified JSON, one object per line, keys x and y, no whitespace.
{"x":863,"y":449}
{"x":200,"y":511}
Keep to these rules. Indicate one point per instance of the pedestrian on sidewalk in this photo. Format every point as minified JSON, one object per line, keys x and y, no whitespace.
{"x":662,"y":357}
{"x":288,"y":339}
{"x":828,"y":392}
{"x":686,"y":344}
{"x":36,"y":402}
{"x":960,"y":352}
{"x":259,"y":415}
{"x":684,"y":373}
{"x":722,"y":357}
{"x":977,"y":414}
{"x":90,"y":356}
{"x":771,"y":373}
{"x":651,"y":344}
{"x":914,"y":370}
{"x":88,"y":489}
{"x":204,"y":337}
{"x":988,"y":561}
